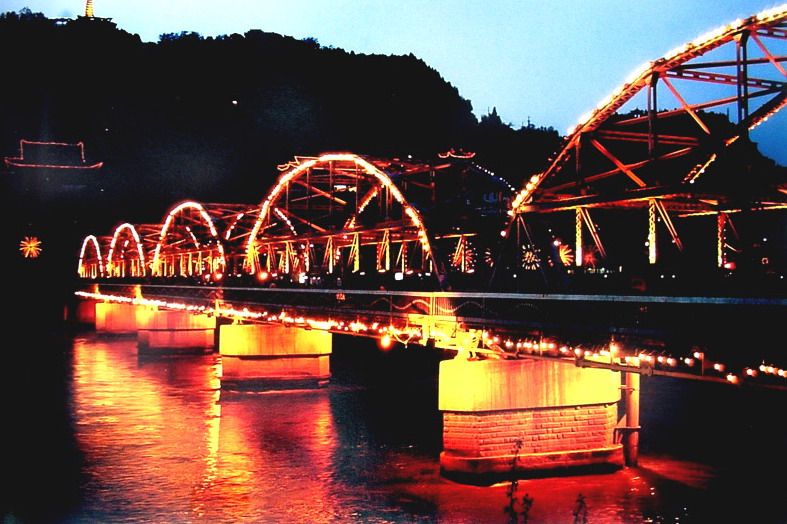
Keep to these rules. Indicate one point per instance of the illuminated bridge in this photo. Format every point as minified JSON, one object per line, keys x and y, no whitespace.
{"x":652,"y":243}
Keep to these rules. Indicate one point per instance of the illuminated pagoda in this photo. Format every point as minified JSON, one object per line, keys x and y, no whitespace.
{"x":50,"y":156}
{"x":88,"y":16}
{"x":89,"y":13}
{"x":50,"y":168}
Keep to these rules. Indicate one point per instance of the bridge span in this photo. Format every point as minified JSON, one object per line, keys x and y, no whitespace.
{"x":541,"y":295}
{"x":561,"y":370}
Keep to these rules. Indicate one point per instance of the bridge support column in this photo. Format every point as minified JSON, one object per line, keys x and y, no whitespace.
{"x":170,"y":332}
{"x":520,"y":418}
{"x":116,"y":318}
{"x":260,"y":356}
{"x":82,"y":311}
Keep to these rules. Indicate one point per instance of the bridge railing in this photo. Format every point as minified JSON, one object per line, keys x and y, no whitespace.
{"x":679,"y":323}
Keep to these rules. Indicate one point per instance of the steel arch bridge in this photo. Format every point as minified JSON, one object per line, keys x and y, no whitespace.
{"x":338,"y":216}
{"x":655,"y":153}
{"x":658,"y":144}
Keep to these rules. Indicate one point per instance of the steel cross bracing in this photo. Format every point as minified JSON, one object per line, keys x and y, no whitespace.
{"x":663,"y":141}
{"x":604,"y":144}
{"x":326,"y":219}
{"x":340,"y":217}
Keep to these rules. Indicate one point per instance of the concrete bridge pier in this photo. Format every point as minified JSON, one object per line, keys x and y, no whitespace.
{"x":526,"y":418}
{"x":262,"y":357}
{"x":173,"y":332}
{"x":115,"y":318}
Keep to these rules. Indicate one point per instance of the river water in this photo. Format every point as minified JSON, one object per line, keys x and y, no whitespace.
{"x":95,"y":433}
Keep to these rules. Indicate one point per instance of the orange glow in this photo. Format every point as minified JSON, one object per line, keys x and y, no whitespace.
{"x":30,"y":247}
{"x":20,"y":161}
{"x":90,"y":241}
{"x":566,"y":256}
{"x":115,"y":268}
{"x":219,"y":263}
{"x":640,"y":79}
{"x":491,"y":344}
{"x":294,"y":170}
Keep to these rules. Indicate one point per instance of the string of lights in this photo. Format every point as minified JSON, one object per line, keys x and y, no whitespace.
{"x":613,"y":356}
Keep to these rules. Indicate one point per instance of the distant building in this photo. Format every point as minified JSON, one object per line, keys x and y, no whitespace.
{"x":47,"y":169}
{"x":89,"y":16}
{"x":50,"y":156}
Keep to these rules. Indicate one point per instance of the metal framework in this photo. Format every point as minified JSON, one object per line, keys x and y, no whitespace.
{"x":337,"y":215}
{"x":660,"y":155}
{"x":195,"y":240}
{"x":198,"y":240}
{"x":340,"y":215}
{"x":127,"y":251}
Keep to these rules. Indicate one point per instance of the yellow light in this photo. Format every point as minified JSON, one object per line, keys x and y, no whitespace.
{"x":386,"y":342}
{"x":30,"y":247}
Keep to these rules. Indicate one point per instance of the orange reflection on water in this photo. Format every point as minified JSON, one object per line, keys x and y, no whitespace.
{"x":162,"y":440}
{"x":148,"y":429}
{"x":270,"y":443}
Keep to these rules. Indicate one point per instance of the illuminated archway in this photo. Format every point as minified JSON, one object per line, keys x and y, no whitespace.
{"x":188,"y":244}
{"x":651,"y":143}
{"x":337,"y":214}
{"x":126,"y":256}
{"x":91,"y":263}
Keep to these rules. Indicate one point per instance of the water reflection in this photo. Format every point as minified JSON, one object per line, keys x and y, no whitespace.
{"x":163,"y":442}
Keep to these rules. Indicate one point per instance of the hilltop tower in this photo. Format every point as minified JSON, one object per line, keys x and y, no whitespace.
{"x":89,"y":9}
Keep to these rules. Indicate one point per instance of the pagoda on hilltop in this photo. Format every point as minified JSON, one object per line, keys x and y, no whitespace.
{"x":89,"y":12}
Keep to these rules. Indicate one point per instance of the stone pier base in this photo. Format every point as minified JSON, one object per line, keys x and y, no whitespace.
{"x":527,"y":418}
{"x":260,"y":357}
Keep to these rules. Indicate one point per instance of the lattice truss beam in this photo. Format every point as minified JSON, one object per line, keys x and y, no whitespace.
{"x":652,"y":143}
{"x":668,"y":122}
{"x":199,"y":239}
{"x":194,"y":239}
{"x":336,"y":214}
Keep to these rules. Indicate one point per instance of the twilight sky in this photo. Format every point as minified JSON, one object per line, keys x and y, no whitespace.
{"x":544,"y":61}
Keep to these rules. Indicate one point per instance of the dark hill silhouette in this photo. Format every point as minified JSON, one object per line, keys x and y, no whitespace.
{"x":210,"y":118}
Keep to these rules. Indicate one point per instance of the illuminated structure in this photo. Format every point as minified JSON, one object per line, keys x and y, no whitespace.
{"x":89,"y":15}
{"x":30,"y":247}
{"x":59,"y":156}
{"x":331,"y":225}
{"x":664,"y":160}
{"x":326,"y":219}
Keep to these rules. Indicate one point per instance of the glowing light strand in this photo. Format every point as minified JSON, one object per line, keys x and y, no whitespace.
{"x":491,"y":345}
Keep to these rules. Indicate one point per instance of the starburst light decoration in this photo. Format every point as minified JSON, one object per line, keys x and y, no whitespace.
{"x":30,"y":247}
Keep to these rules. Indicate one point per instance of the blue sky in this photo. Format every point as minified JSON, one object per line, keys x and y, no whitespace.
{"x":543,"y":61}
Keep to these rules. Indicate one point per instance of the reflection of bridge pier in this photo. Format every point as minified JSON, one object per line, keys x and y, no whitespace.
{"x":500,"y":414}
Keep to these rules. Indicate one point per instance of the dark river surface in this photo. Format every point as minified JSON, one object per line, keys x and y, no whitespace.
{"x":94,"y":433}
